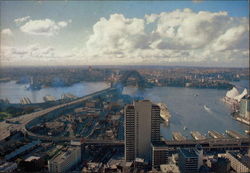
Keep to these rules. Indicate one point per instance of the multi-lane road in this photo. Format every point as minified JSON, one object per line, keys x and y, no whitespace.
{"x":19,"y":123}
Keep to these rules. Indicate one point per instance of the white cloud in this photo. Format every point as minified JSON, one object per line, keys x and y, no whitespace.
{"x":151,"y":18}
{"x":115,"y":35}
{"x":170,"y":38}
{"x":31,"y":51}
{"x":7,"y":31}
{"x":21,"y":20}
{"x":180,"y":36}
{"x":36,"y":52}
{"x":191,"y":29}
{"x":62,"y":24}
{"x":233,"y":38}
{"x":46,"y":27}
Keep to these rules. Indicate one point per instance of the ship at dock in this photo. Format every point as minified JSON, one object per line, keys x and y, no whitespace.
{"x":164,"y":113}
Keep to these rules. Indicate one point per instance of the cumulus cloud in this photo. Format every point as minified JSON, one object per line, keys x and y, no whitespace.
{"x":7,"y":31}
{"x":176,"y":36}
{"x":46,"y":27}
{"x":233,"y":38}
{"x":151,"y":18}
{"x":191,"y":29}
{"x":21,"y":20}
{"x":116,"y":34}
{"x":62,"y":24}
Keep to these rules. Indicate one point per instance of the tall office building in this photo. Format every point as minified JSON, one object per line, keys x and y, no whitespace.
{"x":142,"y":126}
{"x":245,"y":107}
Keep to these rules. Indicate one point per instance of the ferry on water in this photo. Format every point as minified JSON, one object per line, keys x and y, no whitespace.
{"x":164,"y":113}
{"x":207,"y":108}
{"x":247,"y":132}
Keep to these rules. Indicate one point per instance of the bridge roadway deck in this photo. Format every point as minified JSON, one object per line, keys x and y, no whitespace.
{"x":22,"y":120}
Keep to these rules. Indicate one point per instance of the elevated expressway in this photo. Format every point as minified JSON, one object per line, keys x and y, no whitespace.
{"x":84,"y":141}
{"x":23,"y":120}
{"x":209,"y":143}
{"x":20,"y":122}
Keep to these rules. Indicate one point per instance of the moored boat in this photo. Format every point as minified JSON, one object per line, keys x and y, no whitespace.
{"x":164,"y":113}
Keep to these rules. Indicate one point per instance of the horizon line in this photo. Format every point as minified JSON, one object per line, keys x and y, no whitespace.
{"x":153,"y":66}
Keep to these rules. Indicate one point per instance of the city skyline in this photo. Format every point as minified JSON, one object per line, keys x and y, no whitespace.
{"x":184,"y":33}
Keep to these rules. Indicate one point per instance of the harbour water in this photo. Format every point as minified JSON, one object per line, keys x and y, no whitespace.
{"x":14,"y":92}
{"x":196,"y":109}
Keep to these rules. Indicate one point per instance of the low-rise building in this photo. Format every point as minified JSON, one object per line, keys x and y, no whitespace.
{"x":220,"y":165}
{"x":188,"y":160}
{"x":92,"y":167}
{"x":65,"y":160}
{"x":22,"y":149}
{"x":169,"y":168}
{"x":239,"y":162}
{"x":8,"y":167}
{"x":160,"y":154}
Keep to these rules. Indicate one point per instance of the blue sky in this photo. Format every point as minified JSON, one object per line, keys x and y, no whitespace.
{"x":82,"y":16}
{"x":88,"y":12}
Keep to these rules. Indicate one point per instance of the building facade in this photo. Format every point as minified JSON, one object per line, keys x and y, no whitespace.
{"x":160,"y":154}
{"x":239,"y":163}
{"x":142,"y":126}
{"x":245,"y":107}
{"x":220,"y":165}
{"x":65,"y":160}
{"x":188,"y":160}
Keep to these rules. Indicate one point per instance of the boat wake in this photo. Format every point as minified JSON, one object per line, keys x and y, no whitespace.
{"x":207,"y":109}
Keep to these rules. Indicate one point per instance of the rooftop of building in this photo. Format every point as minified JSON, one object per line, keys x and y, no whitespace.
{"x":6,"y":164}
{"x":32,"y":158}
{"x":169,"y":167}
{"x":158,"y":144}
{"x":188,"y":152}
{"x":22,"y":149}
{"x":223,"y":160}
{"x":61,"y":156}
{"x":139,"y":160}
{"x":244,"y":159}
{"x":128,"y":164}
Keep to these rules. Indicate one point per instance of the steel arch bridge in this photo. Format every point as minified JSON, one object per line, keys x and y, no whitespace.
{"x":141,"y":82}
